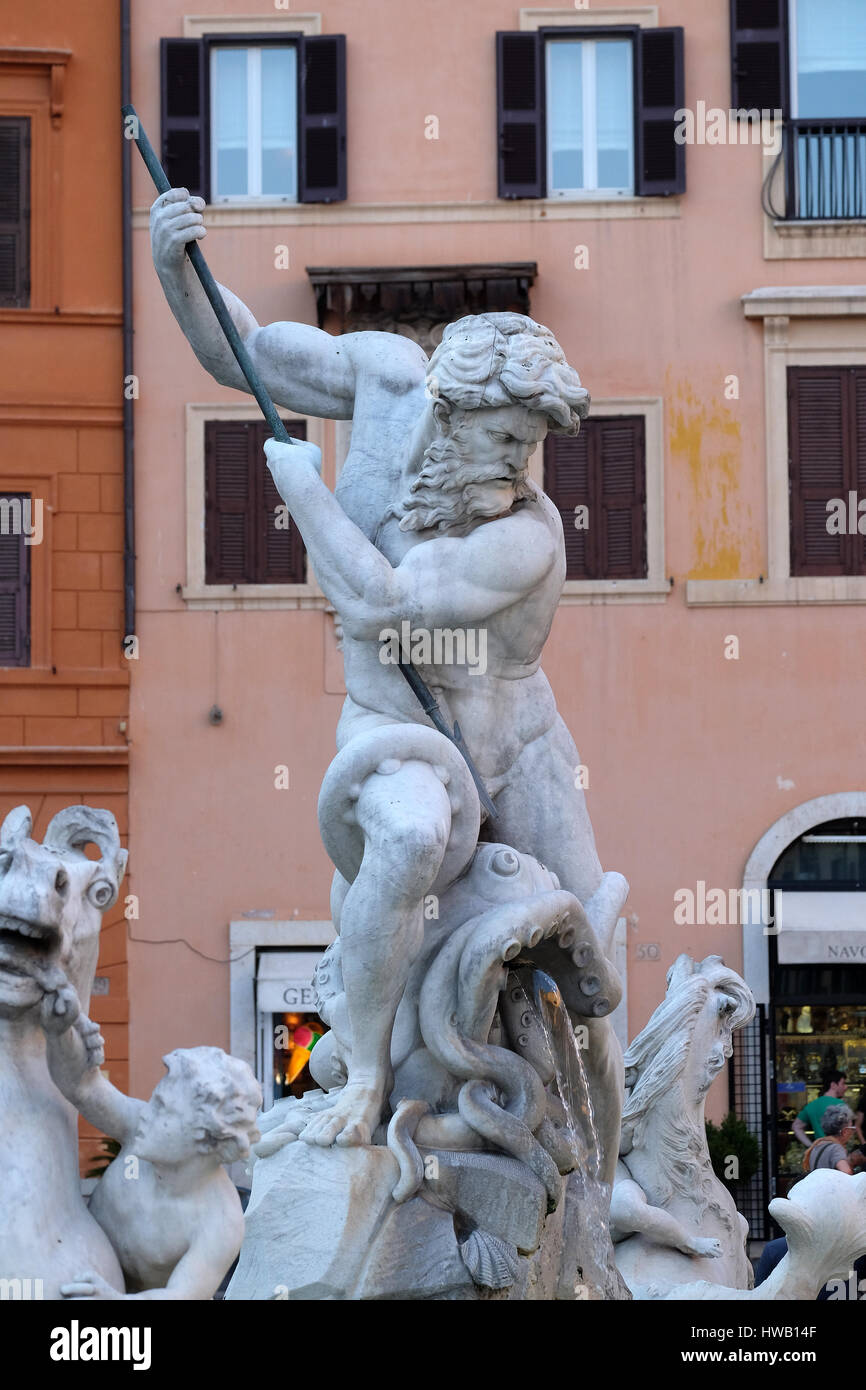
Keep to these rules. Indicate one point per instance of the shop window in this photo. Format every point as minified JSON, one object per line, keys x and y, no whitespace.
{"x":819,"y":1013}
{"x":266,"y":119}
{"x":295,"y":1035}
{"x":590,"y":112}
{"x":249,"y":537}
{"x":597,"y":479}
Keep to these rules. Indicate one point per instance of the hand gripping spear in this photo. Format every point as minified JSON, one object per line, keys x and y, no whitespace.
{"x":421,"y":691}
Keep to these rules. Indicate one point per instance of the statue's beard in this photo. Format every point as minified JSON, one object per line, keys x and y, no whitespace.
{"x":447,"y":494}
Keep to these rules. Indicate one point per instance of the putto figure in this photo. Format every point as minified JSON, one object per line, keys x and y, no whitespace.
{"x":435,"y":522}
{"x":166,"y":1203}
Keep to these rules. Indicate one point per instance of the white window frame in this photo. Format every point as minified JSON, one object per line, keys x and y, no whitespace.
{"x":254,"y":192}
{"x":589,"y":87}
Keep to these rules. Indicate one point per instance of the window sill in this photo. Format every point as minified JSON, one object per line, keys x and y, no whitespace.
{"x":727,"y":592}
{"x":225,"y":597}
{"x":811,"y":241}
{"x":594,"y":591}
{"x":280,"y":214}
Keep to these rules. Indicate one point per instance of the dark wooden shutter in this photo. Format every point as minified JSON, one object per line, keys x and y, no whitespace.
{"x":759,"y":55}
{"x":660,"y":161}
{"x":14,"y":592}
{"x":282,"y":557}
{"x":185,"y":118}
{"x":242,"y":542}
{"x":567,"y":484}
{"x":520,"y":115}
{"x":229,"y":502}
{"x":322,"y":119}
{"x":820,"y":466}
{"x":604,"y":469}
{"x":15,"y":212}
{"x":621,"y":466}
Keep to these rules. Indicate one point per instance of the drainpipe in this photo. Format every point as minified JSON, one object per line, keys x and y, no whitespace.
{"x":128,"y":419}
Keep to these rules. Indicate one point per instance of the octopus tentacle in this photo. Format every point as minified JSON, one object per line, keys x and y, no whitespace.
{"x":507,"y":1132}
{"x":401,"y":1142}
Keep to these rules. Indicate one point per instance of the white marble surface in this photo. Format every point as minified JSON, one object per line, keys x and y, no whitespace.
{"x":671,"y":1218}
{"x":52,"y":898}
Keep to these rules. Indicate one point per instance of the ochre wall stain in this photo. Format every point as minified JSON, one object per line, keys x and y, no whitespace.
{"x":706,"y":440}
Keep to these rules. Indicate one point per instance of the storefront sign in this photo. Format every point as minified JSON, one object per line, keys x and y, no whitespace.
{"x":284,"y":981}
{"x":822,"y":929}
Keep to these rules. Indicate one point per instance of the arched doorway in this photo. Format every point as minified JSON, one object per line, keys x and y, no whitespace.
{"x":806,"y":963}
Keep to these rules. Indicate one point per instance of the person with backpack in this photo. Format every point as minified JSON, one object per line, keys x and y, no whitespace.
{"x":830,"y":1151}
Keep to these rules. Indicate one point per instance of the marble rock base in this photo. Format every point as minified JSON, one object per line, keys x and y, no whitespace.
{"x":322,"y":1225}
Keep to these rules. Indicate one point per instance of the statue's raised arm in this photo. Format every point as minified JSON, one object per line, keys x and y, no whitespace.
{"x":303,"y":368}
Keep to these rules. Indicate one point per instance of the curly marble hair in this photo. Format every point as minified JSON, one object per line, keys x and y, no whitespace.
{"x":224,"y":1099}
{"x":507,"y":359}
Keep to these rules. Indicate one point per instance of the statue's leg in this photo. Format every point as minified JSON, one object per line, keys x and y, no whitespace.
{"x":542,"y":811}
{"x":631,"y":1214}
{"x":406,"y":818}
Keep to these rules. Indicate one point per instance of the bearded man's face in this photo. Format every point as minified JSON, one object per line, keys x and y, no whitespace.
{"x":498,"y":442}
{"x":476,"y":467}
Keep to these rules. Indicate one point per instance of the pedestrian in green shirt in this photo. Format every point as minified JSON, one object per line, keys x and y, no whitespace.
{"x":835,"y":1083}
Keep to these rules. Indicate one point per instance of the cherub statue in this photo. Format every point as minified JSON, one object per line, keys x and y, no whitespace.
{"x":166,"y":1203}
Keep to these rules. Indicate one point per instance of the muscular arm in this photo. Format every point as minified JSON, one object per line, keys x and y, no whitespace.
{"x":440,"y":583}
{"x":303,"y":369}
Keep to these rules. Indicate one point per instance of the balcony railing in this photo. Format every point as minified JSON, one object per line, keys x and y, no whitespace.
{"x":825,"y":170}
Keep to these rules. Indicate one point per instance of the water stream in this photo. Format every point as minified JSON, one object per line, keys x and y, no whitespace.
{"x":588,"y":1269}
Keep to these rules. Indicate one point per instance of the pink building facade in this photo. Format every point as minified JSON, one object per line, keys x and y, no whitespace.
{"x":704,"y":274}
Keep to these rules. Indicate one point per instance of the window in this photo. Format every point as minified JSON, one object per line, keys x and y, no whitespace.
{"x":828,"y":58}
{"x":590,"y":111}
{"x":827,"y":463}
{"x":258,"y":119}
{"x":14,"y":212}
{"x":254,"y":122}
{"x":807,"y":59}
{"x":14,"y":582}
{"x":247,"y":540}
{"x":597,"y":479}
{"x":590,"y":116}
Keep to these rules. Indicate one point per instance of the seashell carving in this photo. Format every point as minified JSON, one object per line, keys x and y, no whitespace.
{"x":492,"y":1262}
